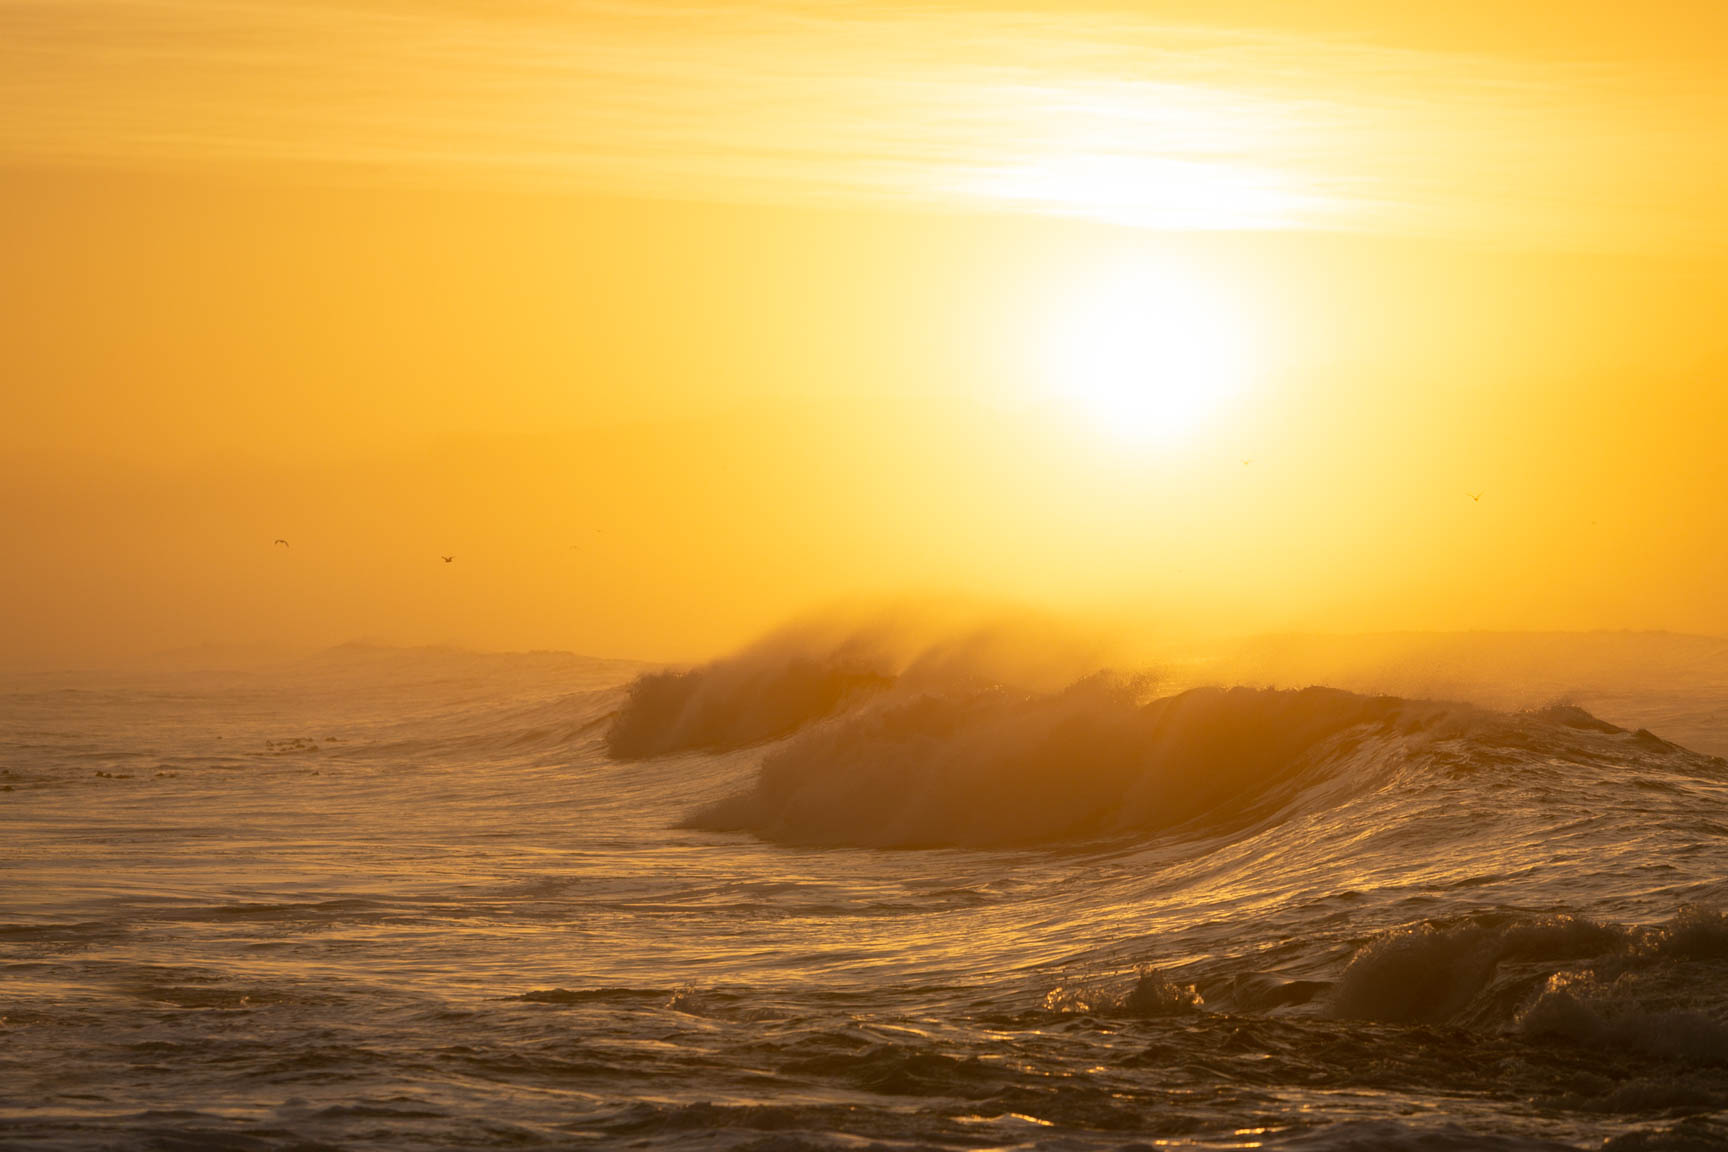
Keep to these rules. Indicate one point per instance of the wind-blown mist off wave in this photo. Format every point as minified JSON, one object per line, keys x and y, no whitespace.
{"x":810,"y":671}
{"x":734,"y":705}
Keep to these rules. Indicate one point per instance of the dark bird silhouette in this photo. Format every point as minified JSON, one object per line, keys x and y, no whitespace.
{"x":1476,"y":496}
{"x":447,"y":559}
{"x":282,"y":542}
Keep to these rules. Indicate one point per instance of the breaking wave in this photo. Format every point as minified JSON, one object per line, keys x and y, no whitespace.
{"x":1002,"y":768}
{"x":888,"y":733}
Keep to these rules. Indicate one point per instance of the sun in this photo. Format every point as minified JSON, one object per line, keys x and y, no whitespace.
{"x":1148,"y":356}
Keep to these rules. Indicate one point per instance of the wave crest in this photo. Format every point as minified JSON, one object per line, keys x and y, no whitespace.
{"x":1148,"y":997}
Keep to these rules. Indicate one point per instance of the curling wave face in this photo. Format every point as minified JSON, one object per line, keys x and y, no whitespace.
{"x":1000,"y":768}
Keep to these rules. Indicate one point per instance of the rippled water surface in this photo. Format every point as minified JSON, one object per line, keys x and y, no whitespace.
{"x":380,"y":902}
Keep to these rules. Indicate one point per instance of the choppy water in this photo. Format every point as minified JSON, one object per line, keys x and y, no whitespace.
{"x":373,"y":904}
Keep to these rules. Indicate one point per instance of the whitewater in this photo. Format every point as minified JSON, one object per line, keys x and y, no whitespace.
{"x":816,"y":896}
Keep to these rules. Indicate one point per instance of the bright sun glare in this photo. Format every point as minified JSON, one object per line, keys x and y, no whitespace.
{"x":1147,"y":356}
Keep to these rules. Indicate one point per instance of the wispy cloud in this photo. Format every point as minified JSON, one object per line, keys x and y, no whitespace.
{"x":1099,"y":116}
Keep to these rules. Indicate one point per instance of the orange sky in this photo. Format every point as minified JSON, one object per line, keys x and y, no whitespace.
{"x":671,"y":322}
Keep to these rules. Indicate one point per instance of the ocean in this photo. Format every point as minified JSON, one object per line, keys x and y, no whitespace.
{"x":808,"y":899}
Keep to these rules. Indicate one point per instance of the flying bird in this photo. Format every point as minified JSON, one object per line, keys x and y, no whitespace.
{"x":447,"y":559}
{"x":282,"y":542}
{"x":1476,"y":496}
